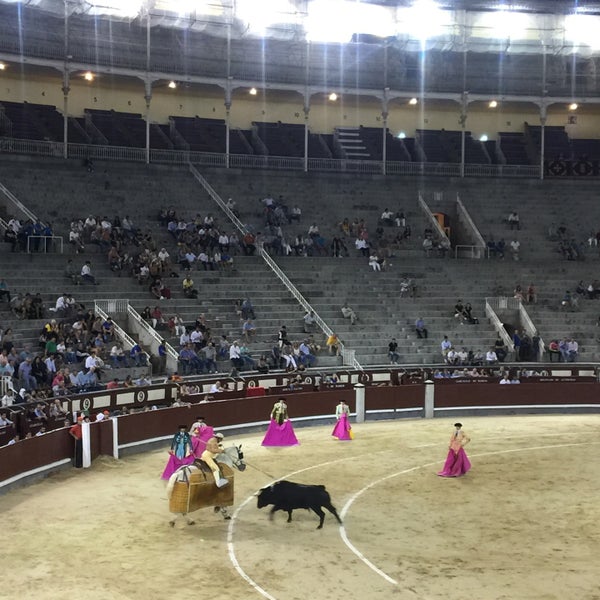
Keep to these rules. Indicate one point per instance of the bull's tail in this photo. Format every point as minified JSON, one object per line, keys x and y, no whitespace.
{"x":331,"y":508}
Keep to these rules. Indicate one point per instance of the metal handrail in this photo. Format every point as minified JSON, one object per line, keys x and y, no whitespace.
{"x":135,"y":315}
{"x":120,"y":333}
{"x":476,"y":251}
{"x":45,"y":238}
{"x":17,"y":203}
{"x":497,"y":323}
{"x":346,"y":354}
{"x":431,"y":218}
{"x":464,"y":214}
{"x":252,"y":161}
{"x":530,"y":328}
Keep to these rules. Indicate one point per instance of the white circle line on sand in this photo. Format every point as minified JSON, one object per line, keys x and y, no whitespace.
{"x":231,"y":528}
{"x":353,"y":549}
{"x":346,"y":507}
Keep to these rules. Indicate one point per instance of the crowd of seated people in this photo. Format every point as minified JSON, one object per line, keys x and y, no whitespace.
{"x":30,"y":235}
{"x":74,"y":350}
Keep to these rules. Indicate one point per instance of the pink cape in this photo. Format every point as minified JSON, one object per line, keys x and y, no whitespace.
{"x":174,"y":463}
{"x":280,"y":435}
{"x":199,"y":441}
{"x":342,"y":428}
{"x":456,"y":464}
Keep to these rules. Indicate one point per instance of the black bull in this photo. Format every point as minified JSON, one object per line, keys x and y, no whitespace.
{"x":288,"y":496}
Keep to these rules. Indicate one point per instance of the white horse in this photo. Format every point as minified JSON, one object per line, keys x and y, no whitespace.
{"x":231,"y":456}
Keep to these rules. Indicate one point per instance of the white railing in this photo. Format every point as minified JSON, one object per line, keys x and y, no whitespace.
{"x":434,"y":222}
{"x":350,"y":355}
{"x":470,"y":251}
{"x":6,"y":383}
{"x":251,"y":161}
{"x":531,"y":330}
{"x":17,"y":204}
{"x":151,"y":337}
{"x":113,"y":306}
{"x":491,"y":305}
{"x":127,"y":341}
{"x":464,"y":216}
{"x":31,"y":246}
{"x":211,"y":192}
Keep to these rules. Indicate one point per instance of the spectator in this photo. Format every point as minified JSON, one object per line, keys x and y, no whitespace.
{"x":86,"y":273}
{"x":4,"y":291}
{"x":500,"y":349}
{"x":531,"y":294}
{"x":309,"y":322}
{"x":138,"y":355}
{"x":306,"y":357}
{"x":349,"y":313}
{"x":553,"y":350}
{"x":248,"y":329}
{"x":517,"y":344}
{"x":188,"y":287}
{"x":420,"y":328}
{"x":393,"y":352}
{"x":513,"y":220}
{"x":446,"y":346}
{"x":235,"y":356}
{"x":491,"y":358}
{"x":572,"y":350}
{"x":333,"y":343}
{"x":515,"y":247}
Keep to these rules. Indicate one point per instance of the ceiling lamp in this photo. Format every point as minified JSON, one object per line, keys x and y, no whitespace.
{"x":88,"y":76}
{"x":172,"y":85}
{"x":573,"y":106}
{"x":493,"y":104}
{"x":253,"y":91}
{"x":333,"y":96}
{"x":413,"y":101}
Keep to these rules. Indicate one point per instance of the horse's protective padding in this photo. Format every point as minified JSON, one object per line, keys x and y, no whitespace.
{"x":201,"y":492}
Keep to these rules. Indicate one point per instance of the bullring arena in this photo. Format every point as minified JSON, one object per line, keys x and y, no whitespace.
{"x":523,"y":523}
{"x":206,"y":206}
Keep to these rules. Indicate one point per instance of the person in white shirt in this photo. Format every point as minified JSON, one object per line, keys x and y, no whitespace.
{"x":515,"y":246}
{"x":491,"y":357}
{"x":61,"y":306}
{"x":235,"y":355}
{"x":86,"y":273}
{"x":349,"y":314}
{"x":374,"y":262}
{"x":387,"y":217}
{"x":505,"y":379}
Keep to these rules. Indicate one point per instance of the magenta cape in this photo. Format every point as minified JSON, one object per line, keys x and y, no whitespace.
{"x":199,"y":441}
{"x":174,"y":463}
{"x":280,"y":435}
{"x":342,"y":428}
{"x":456,"y":464}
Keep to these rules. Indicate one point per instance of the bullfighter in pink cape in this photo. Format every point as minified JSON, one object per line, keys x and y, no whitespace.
{"x":342,"y":429}
{"x":457,"y":462}
{"x":201,"y":433}
{"x":280,"y":431}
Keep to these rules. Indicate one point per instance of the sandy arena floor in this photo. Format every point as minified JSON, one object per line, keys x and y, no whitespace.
{"x":523,"y":524}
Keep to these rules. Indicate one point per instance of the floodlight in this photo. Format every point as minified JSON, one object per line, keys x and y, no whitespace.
{"x":261,"y":15}
{"x":505,"y":24}
{"x":122,"y":8}
{"x":401,"y":135}
{"x":573,"y":106}
{"x":423,"y":20}
{"x":349,"y":17}
{"x":493,"y":104}
{"x":583,"y":29}
{"x":253,"y":91}
{"x":413,"y":101}
{"x":333,"y":96}
{"x":88,"y":76}
{"x":172,"y":85}
{"x":2,"y":66}
{"x":483,"y":138}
